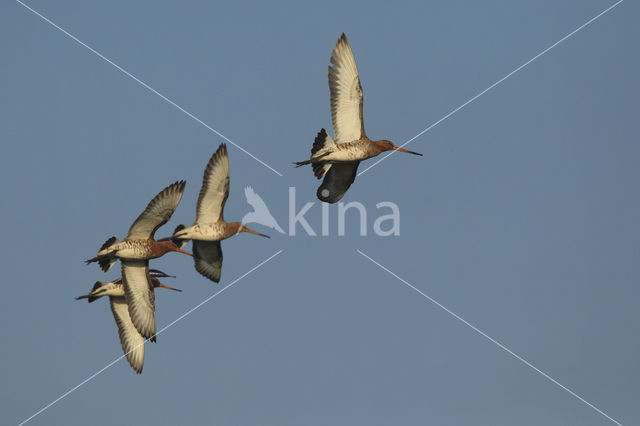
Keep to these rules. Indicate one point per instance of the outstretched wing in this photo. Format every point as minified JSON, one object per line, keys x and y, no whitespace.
{"x":207,"y":256}
{"x":215,"y":188}
{"x":337,"y":181}
{"x":132,"y":342}
{"x":139,"y":296}
{"x":346,"y":94}
{"x":157,"y":213}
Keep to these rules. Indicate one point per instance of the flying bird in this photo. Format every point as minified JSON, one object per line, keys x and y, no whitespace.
{"x":131,"y":340}
{"x":337,"y":160}
{"x":115,"y":288}
{"x":135,"y":251}
{"x":260,"y":213}
{"x":210,"y":227}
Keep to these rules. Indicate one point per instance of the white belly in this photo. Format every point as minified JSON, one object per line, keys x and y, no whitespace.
{"x":205,"y":231}
{"x":351,"y":152}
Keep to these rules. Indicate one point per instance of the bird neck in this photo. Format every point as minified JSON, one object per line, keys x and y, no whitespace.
{"x":234,"y":228}
{"x":381,"y":146}
{"x":160,"y":248}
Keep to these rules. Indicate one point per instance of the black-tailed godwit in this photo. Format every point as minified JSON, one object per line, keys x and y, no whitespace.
{"x":135,"y":251}
{"x":210,"y":227}
{"x":131,"y":340}
{"x":337,"y":160}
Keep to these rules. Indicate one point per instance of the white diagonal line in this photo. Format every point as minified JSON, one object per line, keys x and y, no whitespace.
{"x":97,"y":373}
{"x":491,"y":339}
{"x":146,"y":86}
{"x":496,"y":83}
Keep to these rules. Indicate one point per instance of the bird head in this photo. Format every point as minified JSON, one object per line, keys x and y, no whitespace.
{"x":386,"y":145}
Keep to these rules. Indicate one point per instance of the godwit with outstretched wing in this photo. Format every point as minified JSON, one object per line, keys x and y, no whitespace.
{"x":337,"y":160}
{"x":210,"y":227}
{"x":135,"y":251}
{"x":115,"y":288}
{"x":131,"y":340}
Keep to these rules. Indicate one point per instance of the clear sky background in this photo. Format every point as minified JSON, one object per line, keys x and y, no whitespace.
{"x":522,"y":216}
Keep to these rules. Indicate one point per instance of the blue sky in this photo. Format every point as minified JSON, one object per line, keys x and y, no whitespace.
{"x":522,"y":216}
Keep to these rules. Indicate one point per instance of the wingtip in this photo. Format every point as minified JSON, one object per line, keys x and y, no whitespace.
{"x":222,"y":149}
{"x":175,"y":186}
{"x":342,"y":40}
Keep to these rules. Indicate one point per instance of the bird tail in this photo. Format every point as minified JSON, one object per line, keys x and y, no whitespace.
{"x":90,"y":296}
{"x":321,"y":142}
{"x":111,"y":241}
{"x":179,"y":242}
{"x":302,"y":163}
{"x":96,"y":286}
{"x":105,"y":261}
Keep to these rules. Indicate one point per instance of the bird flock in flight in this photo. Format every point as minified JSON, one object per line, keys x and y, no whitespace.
{"x":132,"y":296}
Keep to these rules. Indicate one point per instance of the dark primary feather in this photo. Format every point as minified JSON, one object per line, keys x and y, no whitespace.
{"x":178,"y":242}
{"x":103,"y":261}
{"x":319,"y":141}
{"x":207,"y":256}
{"x":337,"y":181}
